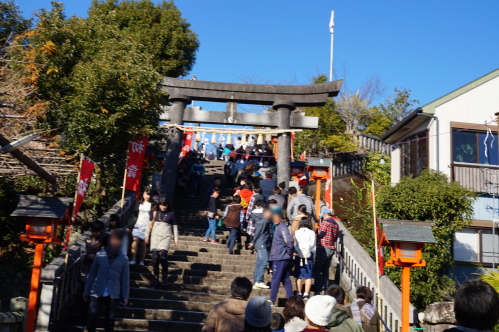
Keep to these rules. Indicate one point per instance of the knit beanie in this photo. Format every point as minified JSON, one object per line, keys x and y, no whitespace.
{"x":319,"y":309}
{"x":258,"y":312}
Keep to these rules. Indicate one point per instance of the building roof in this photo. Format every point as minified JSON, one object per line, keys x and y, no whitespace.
{"x":408,"y":233}
{"x":42,"y":207}
{"x":413,"y":120}
{"x":298,"y":164}
{"x":317,"y":162}
{"x":430,"y":107}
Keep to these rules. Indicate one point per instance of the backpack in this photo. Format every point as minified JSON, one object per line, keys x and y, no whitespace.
{"x":303,"y":247}
{"x":230,"y":169}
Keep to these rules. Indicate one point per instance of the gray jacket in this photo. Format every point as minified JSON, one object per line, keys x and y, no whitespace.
{"x":116,"y":277}
{"x":296,"y":202}
{"x":262,"y":230}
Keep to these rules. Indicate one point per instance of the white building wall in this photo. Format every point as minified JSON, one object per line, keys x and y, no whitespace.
{"x":395,"y":165}
{"x":476,"y":106}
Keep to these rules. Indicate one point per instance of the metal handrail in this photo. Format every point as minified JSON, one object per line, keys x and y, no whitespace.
{"x":358,"y":284}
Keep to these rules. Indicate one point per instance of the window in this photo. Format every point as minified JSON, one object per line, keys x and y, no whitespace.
{"x":477,"y":245}
{"x":475,"y":147}
{"x":414,"y":157}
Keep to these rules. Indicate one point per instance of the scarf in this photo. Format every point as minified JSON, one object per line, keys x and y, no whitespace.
{"x":367,"y":310}
{"x":112,"y":254}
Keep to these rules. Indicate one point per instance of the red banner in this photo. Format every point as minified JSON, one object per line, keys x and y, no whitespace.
{"x":379,"y":250}
{"x":328,"y":193}
{"x":186,"y":142}
{"x":86,"y":170}
{"x":136,"y":153}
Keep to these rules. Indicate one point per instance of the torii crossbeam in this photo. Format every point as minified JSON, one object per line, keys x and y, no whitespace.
{"x":283,"y":98}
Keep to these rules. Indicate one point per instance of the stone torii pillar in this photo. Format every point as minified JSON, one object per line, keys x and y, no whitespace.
{"x":169,"y":176}
{"x":284,"y":109}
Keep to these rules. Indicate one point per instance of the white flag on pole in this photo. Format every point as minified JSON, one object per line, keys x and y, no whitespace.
{"x":331,"y":22}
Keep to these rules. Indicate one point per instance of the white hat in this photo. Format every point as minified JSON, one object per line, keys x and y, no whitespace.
{"x":319,"y":309}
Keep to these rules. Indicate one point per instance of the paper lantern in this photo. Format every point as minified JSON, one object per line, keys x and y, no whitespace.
{"x":198,"y":137}
{"x":259,"y":141}
{"x":229,"y":139}
{"x":213,"y":138}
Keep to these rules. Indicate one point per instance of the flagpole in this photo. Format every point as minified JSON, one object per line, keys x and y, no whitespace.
{"x":123,"y":191}
{"x":375,"y":217}
{"x":332,"y":175}
{"x":331,"y":59}
{"x":331,"y":29}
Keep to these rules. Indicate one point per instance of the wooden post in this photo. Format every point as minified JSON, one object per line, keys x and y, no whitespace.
{"x":332,"y":178}
{"x":169,"y":176}
{"x":375,"y":217}
{"x":30,"y":163}
{"x":318,"y":199}
{"x":284,"y":109}
{"x":34,"y":288}
{"x":123,"y":190}
{"x":406,"y":297}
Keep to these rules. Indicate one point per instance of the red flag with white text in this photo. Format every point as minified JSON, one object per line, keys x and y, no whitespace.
{"x":379,"y":250}
{"x":136,"y":153}
{"x":86,"y":170}
{"x":186,"y":142}
{"x":328,"y":193}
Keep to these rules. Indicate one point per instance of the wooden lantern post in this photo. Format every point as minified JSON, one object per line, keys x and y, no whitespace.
{"x":318,"y":169}
{"x":43,"y":215}
{"x":406,"y":240}
{"x":297,"y":170}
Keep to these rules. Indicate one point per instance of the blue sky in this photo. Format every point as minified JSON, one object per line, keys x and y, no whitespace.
{"x":429,"y":47}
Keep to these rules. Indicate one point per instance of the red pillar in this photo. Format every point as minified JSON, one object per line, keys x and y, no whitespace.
{"x":318,"y":198}
{"x":34,"y":288}
{"x":406,"y":297}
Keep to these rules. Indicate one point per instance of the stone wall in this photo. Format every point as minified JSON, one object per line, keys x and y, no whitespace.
{"x":439,"y":316}
{"x":14,"y":284}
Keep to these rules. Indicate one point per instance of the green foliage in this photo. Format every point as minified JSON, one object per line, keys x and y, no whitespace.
{"x":330,"y":135}
{"x":160,"y":30}
{"x":357,"y":206}
{"x":386,"y":115}
{"x":101,"y":76}
{"x":11,"y":20}
{"x":429,"y":197}
{"x":490,"y":276}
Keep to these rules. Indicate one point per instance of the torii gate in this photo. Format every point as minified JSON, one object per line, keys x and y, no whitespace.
{"x":283,"y":98}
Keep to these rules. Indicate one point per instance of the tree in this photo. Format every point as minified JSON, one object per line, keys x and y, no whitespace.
{"x":429,"y":197}
{"x":354,"y":107}
{"x":393,"y":110}
{"x":330,"y":135}
{"x":101,"y":75}
{"x":11,"y":21}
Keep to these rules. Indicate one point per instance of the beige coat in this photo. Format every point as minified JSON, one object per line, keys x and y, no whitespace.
{"x":161,"y":233}
{"x":227,"y":316}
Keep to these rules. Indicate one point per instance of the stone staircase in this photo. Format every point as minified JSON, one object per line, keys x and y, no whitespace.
{"x":200,"y":274}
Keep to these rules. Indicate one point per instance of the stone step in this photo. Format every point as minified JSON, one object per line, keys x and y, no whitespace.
{"x":173,"y":295}
{"x":184,"y":279}
{"x":161,"y":314}
{"x":185,"y":269}
{"x":205,"y":289}
{"x":126,"y":324}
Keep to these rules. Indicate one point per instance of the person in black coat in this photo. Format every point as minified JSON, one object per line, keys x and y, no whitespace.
{"x":212,"y":214}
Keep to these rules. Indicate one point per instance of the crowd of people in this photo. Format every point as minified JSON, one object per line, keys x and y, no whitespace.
{"x":476,"y":309}
{"x":286,"y":234}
